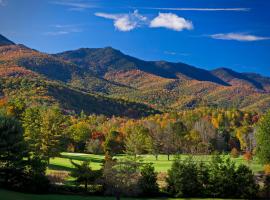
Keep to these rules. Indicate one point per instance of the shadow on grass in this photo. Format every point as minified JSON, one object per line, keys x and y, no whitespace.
{"x":80,"y":158}
{"x":59,"y":167}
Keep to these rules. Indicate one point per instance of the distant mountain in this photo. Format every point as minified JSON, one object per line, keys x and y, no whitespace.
{"x":103,"y":60}
{"x":4,"y":41}
{"x":232,"y":77}
{"x":106,"y":81}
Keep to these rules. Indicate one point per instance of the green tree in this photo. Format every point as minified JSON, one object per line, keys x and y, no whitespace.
{"x":84,"y":174}
{"x":12,"y":151}
{"x":148,"y":181}
{"x":183,"y":178}
{"x":79,"y":133}
{"x":122,"y":178}
{"x":138,"y":140}
{"x":263,"y":139}
{"x":43,"y":130}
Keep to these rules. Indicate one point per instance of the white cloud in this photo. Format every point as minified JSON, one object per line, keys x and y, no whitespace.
{"x":171,"y":21}
{"x":66,"y":29}
{"x":238,"y":37}
{"x":201,"y":9}
{"x":172,"y":53}
{"x":125,"y":22}
{"x":78,"y":5}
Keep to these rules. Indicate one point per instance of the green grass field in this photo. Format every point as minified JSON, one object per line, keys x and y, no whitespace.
{"x":9,"y":195}
{"x":161,"y":165}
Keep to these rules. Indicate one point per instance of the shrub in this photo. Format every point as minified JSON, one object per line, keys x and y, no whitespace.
{"x":183,"y":179}
{"x":234,"y":153}
{"x":121,"y":178}
{"x":58,"y":177}
{"x":245,"y":183}
{"x":148,"y":181}
{"x":227,"y":180}
{"x":221,"y":179}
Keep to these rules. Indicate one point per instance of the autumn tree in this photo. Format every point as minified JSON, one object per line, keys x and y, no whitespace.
{"x":157,"y":137}
{"x":174,"y":139}
{"x":113,"y":143}
{"x":207,"y":133}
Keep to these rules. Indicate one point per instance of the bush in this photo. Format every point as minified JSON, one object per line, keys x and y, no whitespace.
{"x":221,"y":178}
{"x":148,"y":181}
{"x":228,"y":180}
{"x":121,"y":178}
{"x":183,"y":179}
{"x":245,"y":183}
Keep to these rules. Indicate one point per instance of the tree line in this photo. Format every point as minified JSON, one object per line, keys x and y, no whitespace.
{"x":29,"y":138}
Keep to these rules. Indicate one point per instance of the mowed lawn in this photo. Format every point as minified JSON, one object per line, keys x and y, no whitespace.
{"x":161,"y":165}
{"x":9,"y":195}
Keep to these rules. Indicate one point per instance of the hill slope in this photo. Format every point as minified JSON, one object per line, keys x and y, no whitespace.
{"x":102,"y":76}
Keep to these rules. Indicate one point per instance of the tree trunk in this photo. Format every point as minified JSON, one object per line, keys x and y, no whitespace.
{"x":156,"y":156}
{"x":85,"y":186}
{"x":168,"y":157}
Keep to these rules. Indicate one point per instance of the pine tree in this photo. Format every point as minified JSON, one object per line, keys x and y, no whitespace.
{"x":12,"y":151}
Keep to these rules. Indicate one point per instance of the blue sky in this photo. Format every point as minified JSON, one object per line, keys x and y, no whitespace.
{"x":208,"y":34}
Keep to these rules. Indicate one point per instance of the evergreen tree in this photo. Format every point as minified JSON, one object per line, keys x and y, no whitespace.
{"x":263,"y":139}
{"x":12,"y":151}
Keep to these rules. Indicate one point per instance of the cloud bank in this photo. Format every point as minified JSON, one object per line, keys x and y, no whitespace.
{"x":238,"y":37}
{"x":171,"y":21}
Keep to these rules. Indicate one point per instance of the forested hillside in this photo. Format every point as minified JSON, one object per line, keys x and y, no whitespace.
{"x":94,"y":80}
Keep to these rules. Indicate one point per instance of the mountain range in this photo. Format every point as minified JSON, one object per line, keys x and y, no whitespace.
{"x":106,"y":81}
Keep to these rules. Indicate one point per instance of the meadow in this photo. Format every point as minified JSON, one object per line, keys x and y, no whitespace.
{"x":161,"y":165}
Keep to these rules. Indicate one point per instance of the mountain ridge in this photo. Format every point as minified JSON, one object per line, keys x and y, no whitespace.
{"x":160,"y":85}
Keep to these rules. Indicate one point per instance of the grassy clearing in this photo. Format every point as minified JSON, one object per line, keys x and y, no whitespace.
{"x":161,"y":165}
{"x":9,"y":195}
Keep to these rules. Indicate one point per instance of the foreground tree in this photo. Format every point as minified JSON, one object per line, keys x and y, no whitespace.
{"x":148,"y":182}
{"x":263,"y":139}
{"x":12,"y":151}
{"x":43,"y":130}
{"x":183,"y":179}
{"x":84,"y":174}
{"x":121,"y":178}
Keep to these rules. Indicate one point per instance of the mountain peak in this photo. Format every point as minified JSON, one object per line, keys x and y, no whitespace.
{"x":4,"y":41}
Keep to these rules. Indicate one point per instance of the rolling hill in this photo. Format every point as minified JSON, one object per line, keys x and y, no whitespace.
{"x":106,"y":81}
